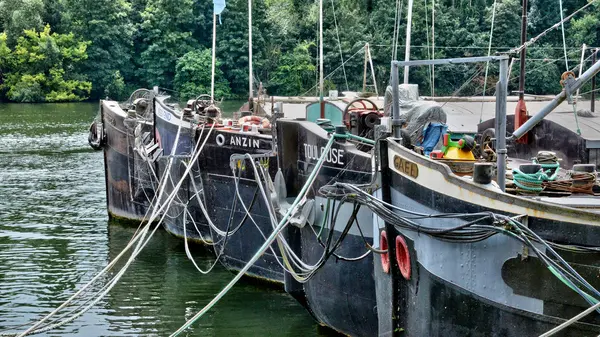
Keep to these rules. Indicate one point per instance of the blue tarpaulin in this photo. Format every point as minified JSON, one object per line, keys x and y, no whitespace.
{"x":432,"y":133}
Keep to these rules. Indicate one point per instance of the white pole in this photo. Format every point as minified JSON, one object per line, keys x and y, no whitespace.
{"x":407,"y":51}
{"x":250,"y":48}
{"x":372,"y":70}
{"x":581,"y":67}
{"x":321,"y":49}
{"x":214,"y":43}
{"x":432,"y":47}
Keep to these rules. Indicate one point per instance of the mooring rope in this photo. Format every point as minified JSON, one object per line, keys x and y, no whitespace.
{"x":284,"y":221}
{"x":138,"y":239}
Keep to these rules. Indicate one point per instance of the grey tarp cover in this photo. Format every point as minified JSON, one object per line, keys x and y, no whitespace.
{"x":414,"y":113}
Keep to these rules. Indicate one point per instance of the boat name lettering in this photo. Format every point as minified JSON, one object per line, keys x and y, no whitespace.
{"x":220,"y":139}
{"x":335,"y":156}
{"x":244,"y":142}
{"x":165,"y":114}
{"x":406,"y":167}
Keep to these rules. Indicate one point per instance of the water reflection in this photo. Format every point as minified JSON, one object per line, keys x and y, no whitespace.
{"x":54,"y":237}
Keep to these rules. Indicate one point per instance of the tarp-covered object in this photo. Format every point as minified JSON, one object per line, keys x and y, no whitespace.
{"x":415,"y":114}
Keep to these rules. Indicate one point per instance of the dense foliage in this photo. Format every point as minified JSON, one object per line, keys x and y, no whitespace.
{"x":64,"y":50}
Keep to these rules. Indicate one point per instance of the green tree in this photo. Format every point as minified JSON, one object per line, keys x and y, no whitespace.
{"x":106,"y":24}
{"x":5,"y":60}
{"x":586,"y":29}
{"x":42,"y":68}
{"x":167,"y":35}
{"x":192,"y":76}
{"x":18,"y":15}
{"x":232,"y":43}
{"x":295,"y":73}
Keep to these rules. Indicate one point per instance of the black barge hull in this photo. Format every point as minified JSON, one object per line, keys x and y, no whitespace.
{"x":184,"y":217}
{"x":123,"y":203}
{"x":341,"y":294}
{"x":487,"y":288}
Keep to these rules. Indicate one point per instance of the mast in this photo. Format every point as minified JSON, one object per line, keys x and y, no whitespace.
{"x":214,"y":43}
{"x":407,"y":50}
{"x":593,"y":106}
{"x":521,"y":109}
{"x":433,"y":47}
{"x":322,"y":103}
{"x":523,"y":51}
{"x":250,"y":78}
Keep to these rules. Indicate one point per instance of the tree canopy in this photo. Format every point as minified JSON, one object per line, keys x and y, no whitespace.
{"x":61,"y":50}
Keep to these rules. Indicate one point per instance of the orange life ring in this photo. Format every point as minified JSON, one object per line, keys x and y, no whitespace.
{"x":250,"y":119}
{"x":385,"y":257}
{"x":255,"y":120}
{"x":403,"y":257}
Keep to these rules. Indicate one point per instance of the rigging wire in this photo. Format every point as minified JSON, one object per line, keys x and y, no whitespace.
{"x":336,"y":69}
{"x":542,"y":34}
{"x":487,"y":64}
{"x":562,"y":25}
{"x":337,"y":33}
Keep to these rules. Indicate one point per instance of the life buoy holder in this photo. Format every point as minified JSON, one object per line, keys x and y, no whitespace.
{"x":255,"y":120}
{"x":403,"y":257}
{"x":385,"y":257}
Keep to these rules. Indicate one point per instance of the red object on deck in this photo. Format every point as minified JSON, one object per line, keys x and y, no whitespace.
{"x":520,"y":119}
{"x":436,"y":154}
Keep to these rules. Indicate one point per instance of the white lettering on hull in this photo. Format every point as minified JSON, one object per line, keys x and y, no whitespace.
{"x":335,"y":156}
{"x":244,"y":142}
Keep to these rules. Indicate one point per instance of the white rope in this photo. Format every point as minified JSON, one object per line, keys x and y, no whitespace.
{"x":187,"y":248}
{"x":337,"y":33}
{"x":562,"y":25}
{"x":282,"y":224}
{"x":571,"y":321}
{"x":282,"y":243}
{"x":64,"y":304}
{"x":138,"y":238}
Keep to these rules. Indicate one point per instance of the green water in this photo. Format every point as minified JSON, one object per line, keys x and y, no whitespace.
{"x":55,"y":236}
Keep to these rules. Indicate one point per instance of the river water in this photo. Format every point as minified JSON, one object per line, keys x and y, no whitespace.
{"x":55,"y":236}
